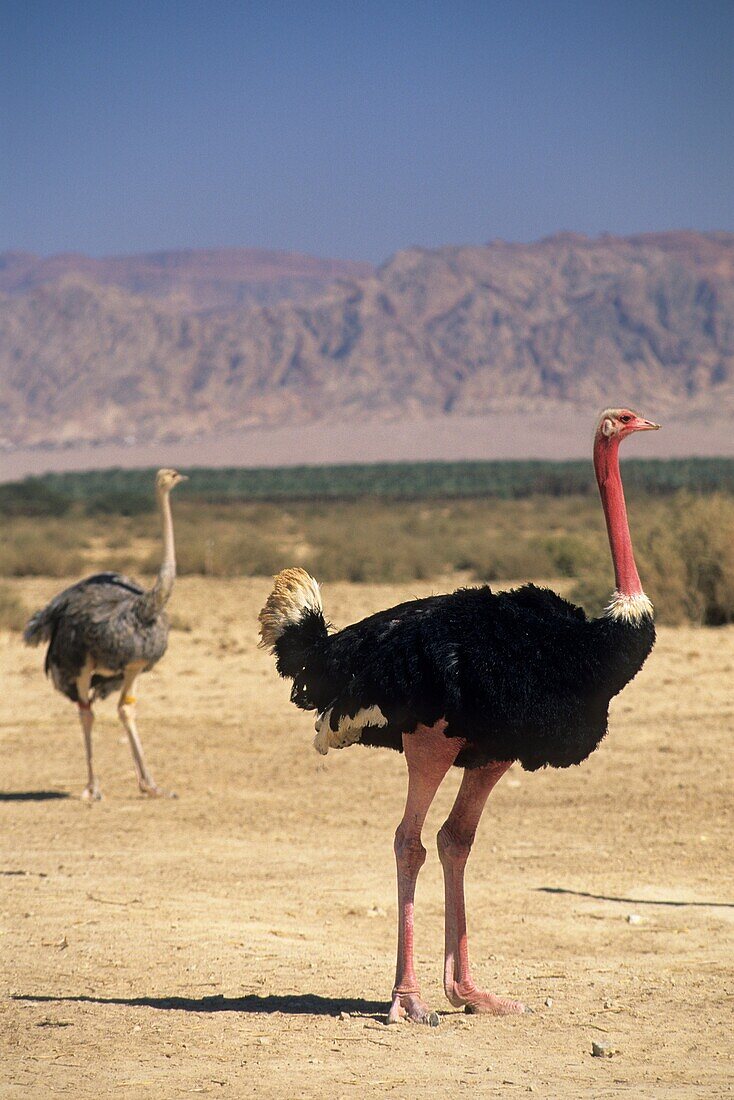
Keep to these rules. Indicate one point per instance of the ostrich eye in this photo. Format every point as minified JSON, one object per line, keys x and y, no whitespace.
{"x":625,"y":419}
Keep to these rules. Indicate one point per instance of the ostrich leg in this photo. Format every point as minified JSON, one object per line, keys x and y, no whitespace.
{"x":429,"y":755}
{"x":91,"y":792}
{"x":455,"y":839}
{"x":126,"y":711}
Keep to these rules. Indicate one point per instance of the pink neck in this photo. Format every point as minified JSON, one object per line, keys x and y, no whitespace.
{"x":606,"y":466}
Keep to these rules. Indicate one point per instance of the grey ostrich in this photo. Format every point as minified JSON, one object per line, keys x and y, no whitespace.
{"x":102,"y":633}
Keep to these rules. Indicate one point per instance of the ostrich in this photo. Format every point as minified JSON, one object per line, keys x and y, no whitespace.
{"x":472,"y":679}
{"x":102,"y":633}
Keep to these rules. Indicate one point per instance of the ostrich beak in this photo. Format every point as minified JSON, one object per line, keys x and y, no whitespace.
{"x":642,"y":425}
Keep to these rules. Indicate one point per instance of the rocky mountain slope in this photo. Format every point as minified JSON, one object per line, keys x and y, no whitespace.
{"x":190,"y":280}
{"x":568,"y":320}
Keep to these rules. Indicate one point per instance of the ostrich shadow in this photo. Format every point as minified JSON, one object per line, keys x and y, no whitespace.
{"x":307,"y":1004}
{"x":32,"y":796}
{"x":636,"y":901}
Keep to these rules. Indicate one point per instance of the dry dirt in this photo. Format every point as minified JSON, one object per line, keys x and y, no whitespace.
{"x":525,"y":433}
{"x":239,"y":941}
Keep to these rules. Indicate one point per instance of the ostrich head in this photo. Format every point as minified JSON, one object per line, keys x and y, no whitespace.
{"x":165,"y":480}
{"x":619,"y":423}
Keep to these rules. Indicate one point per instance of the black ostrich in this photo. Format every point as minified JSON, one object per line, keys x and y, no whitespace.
{"x":474,"y":679}
{"x":102,"y":633}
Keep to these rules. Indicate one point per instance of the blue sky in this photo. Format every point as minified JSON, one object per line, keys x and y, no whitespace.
{"x":355,"y":129}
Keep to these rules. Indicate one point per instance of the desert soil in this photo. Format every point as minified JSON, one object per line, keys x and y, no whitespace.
{"x":239,"y":940}
{"x":508,"y":435}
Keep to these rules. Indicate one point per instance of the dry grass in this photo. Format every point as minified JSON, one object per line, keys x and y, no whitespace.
{"x":685,"y":544}
{"x":13,"y":613}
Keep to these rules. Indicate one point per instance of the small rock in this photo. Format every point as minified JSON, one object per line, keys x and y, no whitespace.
{"x":603,"y":1049}
{"x":548,"y":1002}
{"x":634,"y":918}
{"x":345,"y":1016}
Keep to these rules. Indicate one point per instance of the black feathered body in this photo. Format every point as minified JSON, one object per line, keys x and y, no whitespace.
{"x":520,"y":675}
{"x":106,"y":617}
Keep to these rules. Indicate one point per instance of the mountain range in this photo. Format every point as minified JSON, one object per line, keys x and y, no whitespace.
{"x":180,"y":345}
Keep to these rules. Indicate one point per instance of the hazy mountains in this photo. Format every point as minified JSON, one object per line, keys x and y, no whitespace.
{"x":181,"y":344}
{"x":189,"y":280}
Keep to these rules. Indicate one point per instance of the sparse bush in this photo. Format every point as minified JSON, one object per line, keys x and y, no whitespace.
{"x":684,"y":544}
{"x":508,"y":559}
{"x":226,"y":553}
{"x":571,"y":555}
{"x":691,"y":561}
{"x":593,"y":592}
{"x":179,"y":622}
{"x":685,"y":553}
{"x":127,"y":564}
{"x":31,"y":555}
{"x":13,"y":615}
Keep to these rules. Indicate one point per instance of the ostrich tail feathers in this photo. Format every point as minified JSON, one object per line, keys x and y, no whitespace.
{"x":39,"y":628}
{"x":292,"y":622}
{"x":295,"y":593}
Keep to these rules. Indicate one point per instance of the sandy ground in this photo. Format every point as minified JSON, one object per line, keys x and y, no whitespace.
{"x":527,"y":433}
{"x":239,"y":941}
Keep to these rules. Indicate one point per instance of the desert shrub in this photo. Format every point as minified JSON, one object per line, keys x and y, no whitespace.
{"x":572,"y":555}
{"x":690,"y":561}
{"x":389,"y":561}
{"x":179,"y":622}
{"x":128,"y":564}
{"x":225,"y":553}
{"x":13,"y":615}
{"x":519,"y":559}
{"x":32,"y":555}
{"x":685,"y":555}
{"x":592,"y":592}
{"x":368,"y":541}
{"x":684,"y":544}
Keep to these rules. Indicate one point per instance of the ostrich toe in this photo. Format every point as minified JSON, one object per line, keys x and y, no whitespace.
{"x":476,"y":1002}
{"x":152,"y":791}
{"x":409,"y":1006}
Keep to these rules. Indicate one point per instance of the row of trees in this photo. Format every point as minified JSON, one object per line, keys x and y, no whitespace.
{"x":128,"y":492}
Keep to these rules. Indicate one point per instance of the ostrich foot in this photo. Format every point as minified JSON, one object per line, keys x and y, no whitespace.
{"x":409,"y":1006}
{"x":149,"y":788}
{"x":474,"y":1001}
{"x":92,"y":793}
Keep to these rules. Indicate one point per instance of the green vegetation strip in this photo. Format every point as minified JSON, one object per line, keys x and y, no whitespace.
{"x":128,"y":492}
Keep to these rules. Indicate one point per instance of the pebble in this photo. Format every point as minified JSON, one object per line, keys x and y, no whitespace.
{"x":634,"y":918}
{"x":603,"y":1049}
{"x":548,"y":1002}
